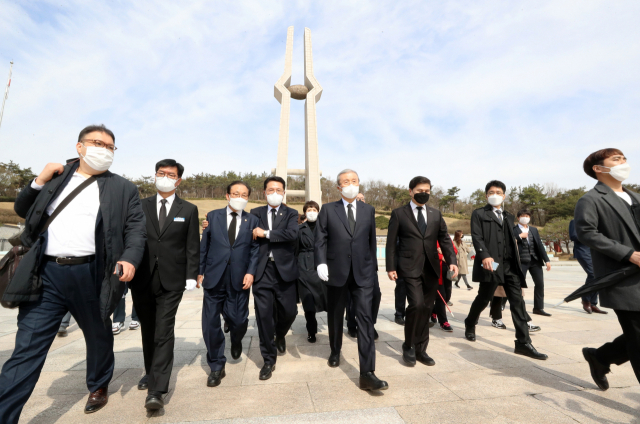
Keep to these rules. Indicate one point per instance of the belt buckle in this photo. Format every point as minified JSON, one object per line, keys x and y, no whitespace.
{"x":57,"y":259}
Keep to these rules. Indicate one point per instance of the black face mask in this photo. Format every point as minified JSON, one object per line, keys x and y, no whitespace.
{"x":421,"y":198}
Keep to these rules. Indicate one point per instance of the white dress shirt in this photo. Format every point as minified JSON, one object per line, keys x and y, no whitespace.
{"x":229,"y":218}
{"x":624,"y":196}
{"x":169,"y":200}
{"x":267,"y":233}
{"x":73,"y":232}
{"x":415,"y":211}
{"x":346,"y":209}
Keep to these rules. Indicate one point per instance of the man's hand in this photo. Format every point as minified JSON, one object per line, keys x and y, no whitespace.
{"x":524,"y":235}
{"x":323,"y":272}
{"x":48,"y":172}
{"x":454,"y":268}
{"x":128,"y":271}
{"x":488,"y":264}
{"x":247,"y":281}
{"x":205,"y":224}
{"x":548,"y":266}
{"x":200,"y":278}
{"x":635,"y":258}
{"x":258,"y":232}
{"x":190,"y":285}
{"x":393,"y":276}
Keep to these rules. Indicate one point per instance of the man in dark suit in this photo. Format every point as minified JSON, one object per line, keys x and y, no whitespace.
{"x":169,"y":266}
{"x":498,"y":263}
{"x":583,"y":255}
{"x":532,"y":256}
{"x":345,"y":251}
{"x":228,"y":263}
{"x":415,"y":230}
{"x":608,"y":221}
{"x":274,"y":293}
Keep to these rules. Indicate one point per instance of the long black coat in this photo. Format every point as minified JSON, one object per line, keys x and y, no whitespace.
{"x":309,"y":284}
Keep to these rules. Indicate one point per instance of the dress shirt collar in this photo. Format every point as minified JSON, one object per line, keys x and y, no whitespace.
{"x":495,"y":210}
{"x":169,"y":199}
{"x":523,"y":229}
{"x":230,"y":211}
{"x":414,"y":206}
{"x":349,"y":203}
{"x":270,"y":208}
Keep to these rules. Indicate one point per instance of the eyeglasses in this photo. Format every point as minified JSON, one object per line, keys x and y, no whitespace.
{"x":162,"y":175}
{"x":99,"y":143}
{"x":245,"y":196}
{"x":272,"y":190}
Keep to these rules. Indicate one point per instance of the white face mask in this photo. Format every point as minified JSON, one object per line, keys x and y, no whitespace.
{"x":350,"y":191}
{"x":619,"y":172}
{"x":275,"y":199}
{"x":495,"y":200}
{"x":165,"y":184}
{"x":312,"y":216}
{"x":238,"y":203}
{"x":524,"y":220}
{"x":98,"y":158}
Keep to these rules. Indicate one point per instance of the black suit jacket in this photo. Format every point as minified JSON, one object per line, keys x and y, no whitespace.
{"x":488,"y":243}
{"x":542,"y":252}
{"x":341,"y":250}
{"x":282,"y":241}
{"x":176,"y":248}
{"x":414,"y":248}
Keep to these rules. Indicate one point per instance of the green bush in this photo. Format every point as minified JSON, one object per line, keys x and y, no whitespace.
{"x":7,"y":199}
{"x":382,"y":222}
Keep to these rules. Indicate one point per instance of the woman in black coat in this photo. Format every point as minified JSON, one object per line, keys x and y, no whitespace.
{"x":312,"y":292}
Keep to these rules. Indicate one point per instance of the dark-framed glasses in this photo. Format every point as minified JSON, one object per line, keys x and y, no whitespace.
{"x":99,"y":143}
{"x":161,"y":174}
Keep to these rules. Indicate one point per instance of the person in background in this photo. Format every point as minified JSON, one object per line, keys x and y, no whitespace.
{"x":66,"y":320}
{"x":311,"y":290}
{"x":462,"y":253}
{"x":120,"y":314}
{"x":444,"y":292}
{"x":583,"y":255}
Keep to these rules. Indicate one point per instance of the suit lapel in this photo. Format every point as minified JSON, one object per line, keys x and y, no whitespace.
{"x":152,"y":212}
{"x":495,"y":217}
{"x":173,"y":212}
{"x":432,"y":225}
{"x":409,"y":212}
{"x":279,"y":216}
{"x":621,"y":209}
{"x":342,"y":214}
{"x":222,"y":223}
{"x":263,"y":217}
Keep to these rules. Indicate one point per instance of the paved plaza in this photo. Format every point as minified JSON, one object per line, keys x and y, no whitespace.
{"x":481,"y":382}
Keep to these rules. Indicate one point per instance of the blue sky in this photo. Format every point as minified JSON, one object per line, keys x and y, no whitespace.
{"x":462,"y":92}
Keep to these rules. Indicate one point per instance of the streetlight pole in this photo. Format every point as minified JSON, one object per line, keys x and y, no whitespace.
{"x":6,"y":93}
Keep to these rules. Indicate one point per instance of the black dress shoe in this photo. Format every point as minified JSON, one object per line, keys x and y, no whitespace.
{"x":399,"y":320}
{"x":375,"y":334}
{"x":353,"y":333}
{"x":597,"y":310}
{"x":527,"y":349}
{"x":143,"y":384}
{"x":311,"y":338}
{"x":431,"y":324}
{"x":267,"y":371}
{"x":281,"y":344}
{"x":154,"y":401}
{"x":215,"y":378}
{"x":425,"y":359}
{"x":236,"y":350}
{"x":334,"y":361}
{"x":470,"y":333}
{"x":541,"y":312}
{"x":409,"y":354}
{"x":97,"y":400}
{"x":598,"y":371}
{"x":369,"y":381}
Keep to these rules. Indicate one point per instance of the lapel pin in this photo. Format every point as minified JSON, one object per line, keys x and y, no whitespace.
{"x":245,"y":220}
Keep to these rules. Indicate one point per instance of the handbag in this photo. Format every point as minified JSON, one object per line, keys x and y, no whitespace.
{"x":12,"y":260}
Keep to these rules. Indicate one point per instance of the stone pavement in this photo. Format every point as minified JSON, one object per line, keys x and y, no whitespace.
{"x":482,"y":382}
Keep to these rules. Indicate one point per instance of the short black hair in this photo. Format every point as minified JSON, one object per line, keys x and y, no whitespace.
{"x":277,"y":179}
{"x":236,"y":183}
{"x":92,"y":128}
{"x":310,"y":204}
{"x":495,"y":183}
{"x":524,"y":212}
{"x":418,"y":180}
{"x":172,"y":163}
{"x":597,"y":158}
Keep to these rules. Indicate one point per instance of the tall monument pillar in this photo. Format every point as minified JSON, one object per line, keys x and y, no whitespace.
{"x":310,"y":92}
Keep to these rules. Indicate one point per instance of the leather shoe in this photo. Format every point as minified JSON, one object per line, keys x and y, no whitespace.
{"x":369,"y":381}
{"x":143,"y":384}
{"x":470,"y":333}
{"x":541,"y":312}
{"x":334,"y":361}
{"x":311,"y":338}
{"x":431,"y":324}
{"x":597,"y":310}
{"x":267,"y":371}
{"x":215,"y":378}
{"x":399,"y":320}
{"x":409,"y":354}
{"x":353,"y":333}
{"x":587,"y":307}
{"x":154,"y":401}
{"x":281,"y":344}
{"x":598,"y":371}
{"x":527,"y":349}
{"x":97,"y":400}
{"x":425,"y":359}
{"x":236,"y":350}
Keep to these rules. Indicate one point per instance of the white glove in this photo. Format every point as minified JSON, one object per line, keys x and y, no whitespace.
{"x":323,"y":272}
{"x":191,"y":284}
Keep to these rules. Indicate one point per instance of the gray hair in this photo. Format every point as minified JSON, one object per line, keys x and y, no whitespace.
{"x":346,"y":171}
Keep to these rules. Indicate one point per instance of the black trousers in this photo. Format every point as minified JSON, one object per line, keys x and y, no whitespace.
{"x":362,"y":298}
{"x":537,"y":274}
{"x":375,"y":307}
{"x":497,"y":303}
{"x":440,"y":307}
{"x":514,"y":294}
{"x":625,"y":347}
{"x":64,"y":288}
{"x":421,"y":295}
{"x":276,"y":308}
{"x":309,"y":307}
{"x":587,"y":266}
{"x":400,"y":294}
{"x":157,"y":310}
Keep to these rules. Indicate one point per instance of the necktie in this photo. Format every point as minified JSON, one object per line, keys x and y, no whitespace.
{"x":273,"y":218}
{"x":163,"y":213}
{"x":499,"y":212}
{"x":351,"y":218}
{"x":232,"y":228}
{"x":422,"y":224}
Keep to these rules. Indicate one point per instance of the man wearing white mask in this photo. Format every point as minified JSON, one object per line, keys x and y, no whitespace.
{"x":85,"y":229}
{"x":498,"y":263}
{"x":169,"y":266}
{"x":275,"y":286}
{"x":228,"y":263}
{"x":345,"y":254}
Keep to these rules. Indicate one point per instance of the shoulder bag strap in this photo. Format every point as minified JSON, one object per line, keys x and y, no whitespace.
{"x":67,"y":200}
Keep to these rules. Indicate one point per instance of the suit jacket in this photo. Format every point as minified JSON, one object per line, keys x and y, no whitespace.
{"x":341,"y":250}
{"x":175,"y":249}
{"x":216,"y":253}
{"x":282,"y":241}
{"x":580,"y":251}
{"x":413,"y":247}
{"x":605,"y":224}
{"x":488,"y":243}
{"x":542,"y":252}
